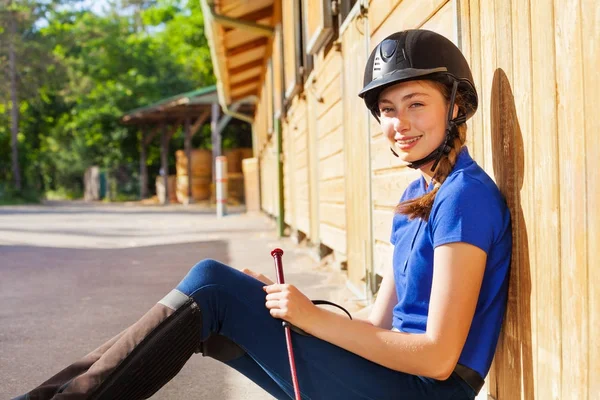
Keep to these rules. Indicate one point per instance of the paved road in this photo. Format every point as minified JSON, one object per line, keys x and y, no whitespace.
{"x":74,"y":274}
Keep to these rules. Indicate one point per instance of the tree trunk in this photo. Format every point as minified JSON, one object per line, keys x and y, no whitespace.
{"x":12,"y":65}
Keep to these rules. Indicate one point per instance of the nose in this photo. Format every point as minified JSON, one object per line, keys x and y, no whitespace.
{"x":401,"y":124}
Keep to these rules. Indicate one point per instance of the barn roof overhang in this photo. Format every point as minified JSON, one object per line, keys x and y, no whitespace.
{"x":240,"y":34}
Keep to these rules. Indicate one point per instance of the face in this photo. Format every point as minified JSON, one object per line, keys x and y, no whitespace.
{"x":413,"y":118}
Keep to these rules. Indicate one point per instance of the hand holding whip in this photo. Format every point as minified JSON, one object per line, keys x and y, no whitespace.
{"x":276,"y":254}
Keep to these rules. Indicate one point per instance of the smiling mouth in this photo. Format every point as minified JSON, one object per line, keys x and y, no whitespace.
{"x":408,"y":141}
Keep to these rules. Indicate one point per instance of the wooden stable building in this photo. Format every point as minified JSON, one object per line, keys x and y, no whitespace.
{"x":327,"y":173}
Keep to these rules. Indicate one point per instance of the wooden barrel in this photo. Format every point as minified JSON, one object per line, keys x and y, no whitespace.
{"x":235,"y":157}
{"x":201,"y":163}
{"x":246,"y":152}
{"x":200,"y":188}
{"x":233,"y":160}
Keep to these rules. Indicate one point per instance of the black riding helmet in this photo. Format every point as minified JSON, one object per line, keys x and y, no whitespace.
{"x":420,"y":54}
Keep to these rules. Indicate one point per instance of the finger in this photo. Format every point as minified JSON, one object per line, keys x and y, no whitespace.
{"x":275,"y":296}
{"x":272,"y":304}
{"x":274,"y":288}
{"x":277,"y":313}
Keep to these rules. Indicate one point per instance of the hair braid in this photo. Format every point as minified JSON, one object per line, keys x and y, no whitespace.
{"x":420,"y":207}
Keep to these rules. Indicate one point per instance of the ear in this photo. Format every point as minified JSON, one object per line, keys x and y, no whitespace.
{"x":455,"y":112}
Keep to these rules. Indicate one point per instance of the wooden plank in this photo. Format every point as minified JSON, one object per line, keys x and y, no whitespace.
{"x":253,"y":73}
{"x":303,"y":222}
{"x":289,"y":20}
{"x":523,"y":213}
{"x":332,"y":167}
{"x":382,"y":224}
{"x":302,"y":159}
{"x":332,"y":143}
{"x":354,"y":141}
{"x":276,"y":62}
{"x":546,"y":230}
{"x":573,"y":178}
{"x":332,"y":190}
{"x":488,"y":67}
{"x":476,"y":122}
{"x":333,"y":237}
{"x":257,"y":53}
{"x":330,"y":96}
{"x":289,"y":160}
{"x":331,"y":120}
{"x":384,"y":21}
{"x":388,"y":188}
{"x":238,"y":37}
{"x":331,"y":68}
{"x":313,"y":168}
{"x":590,"y":31}
{"x":333,"y":214}
{"x":444,"y":21}
{"x":300,"y":143}
{"x":379,"y":11}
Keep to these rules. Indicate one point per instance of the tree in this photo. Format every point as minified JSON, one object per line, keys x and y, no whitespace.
{"x":19,"y":18}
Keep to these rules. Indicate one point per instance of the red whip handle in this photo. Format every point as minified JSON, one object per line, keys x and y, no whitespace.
{"x":277,"y":253}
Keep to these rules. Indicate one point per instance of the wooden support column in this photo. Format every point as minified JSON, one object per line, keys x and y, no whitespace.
{"x":143,"y":168}
{"x":188,"y":154}
{"x":215,"y":135}
{"x":164,"y":160}
{"x":147,"y":136}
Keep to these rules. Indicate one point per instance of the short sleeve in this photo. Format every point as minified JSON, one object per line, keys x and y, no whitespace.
{"x":466,"y":211}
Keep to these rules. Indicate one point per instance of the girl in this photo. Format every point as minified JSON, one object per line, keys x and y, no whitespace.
{"x":433,"y":329}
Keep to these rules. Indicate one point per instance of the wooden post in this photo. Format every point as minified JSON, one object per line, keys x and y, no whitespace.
{"x":143,"y":168}
{"x":215,"y":134}
{"x":164,"y":152}
{"x":188,"y":154}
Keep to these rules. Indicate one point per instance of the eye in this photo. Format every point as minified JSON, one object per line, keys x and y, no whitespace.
{"x":416,"y":104}
{"x":386,"y":110}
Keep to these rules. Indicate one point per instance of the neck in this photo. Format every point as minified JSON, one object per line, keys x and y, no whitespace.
{"x":427,"y":172}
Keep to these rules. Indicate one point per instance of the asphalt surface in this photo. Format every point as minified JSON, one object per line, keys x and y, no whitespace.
{"x":72,"y":275}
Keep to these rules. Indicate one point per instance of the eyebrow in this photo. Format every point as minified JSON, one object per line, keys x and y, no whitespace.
{"x":404,"y":98}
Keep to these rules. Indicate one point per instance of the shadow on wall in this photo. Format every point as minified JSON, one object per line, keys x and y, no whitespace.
{"x":513,"y":365}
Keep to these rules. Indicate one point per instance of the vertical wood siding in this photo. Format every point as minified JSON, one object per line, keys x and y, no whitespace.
{"x":330,"y":145}
{"x":534,"y":133}
{"x":356,"y":155}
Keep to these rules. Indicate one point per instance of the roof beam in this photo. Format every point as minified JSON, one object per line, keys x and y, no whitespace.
{"x":254,"y":79}
{"x":244,"y":94}
{"x":234,"y":51}
{"x":256,"y":15}
{"x":252,"y":64}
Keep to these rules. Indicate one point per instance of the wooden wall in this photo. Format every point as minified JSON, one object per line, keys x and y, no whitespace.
{"x":327,"y":85}
{"x":297,"y":160}
{"x":535,"y":133}
{"x":354,"y":38}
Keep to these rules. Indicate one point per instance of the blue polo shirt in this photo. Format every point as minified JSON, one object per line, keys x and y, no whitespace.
{"x":467,"y":208}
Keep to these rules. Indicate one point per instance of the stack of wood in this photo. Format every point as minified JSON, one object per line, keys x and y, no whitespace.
{"x":201,"y":170}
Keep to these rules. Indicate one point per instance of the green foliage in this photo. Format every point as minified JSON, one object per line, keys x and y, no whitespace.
{"x":79,"y":72}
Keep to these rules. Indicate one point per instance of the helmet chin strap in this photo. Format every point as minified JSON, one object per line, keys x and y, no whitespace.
{"x":451,"y":134}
